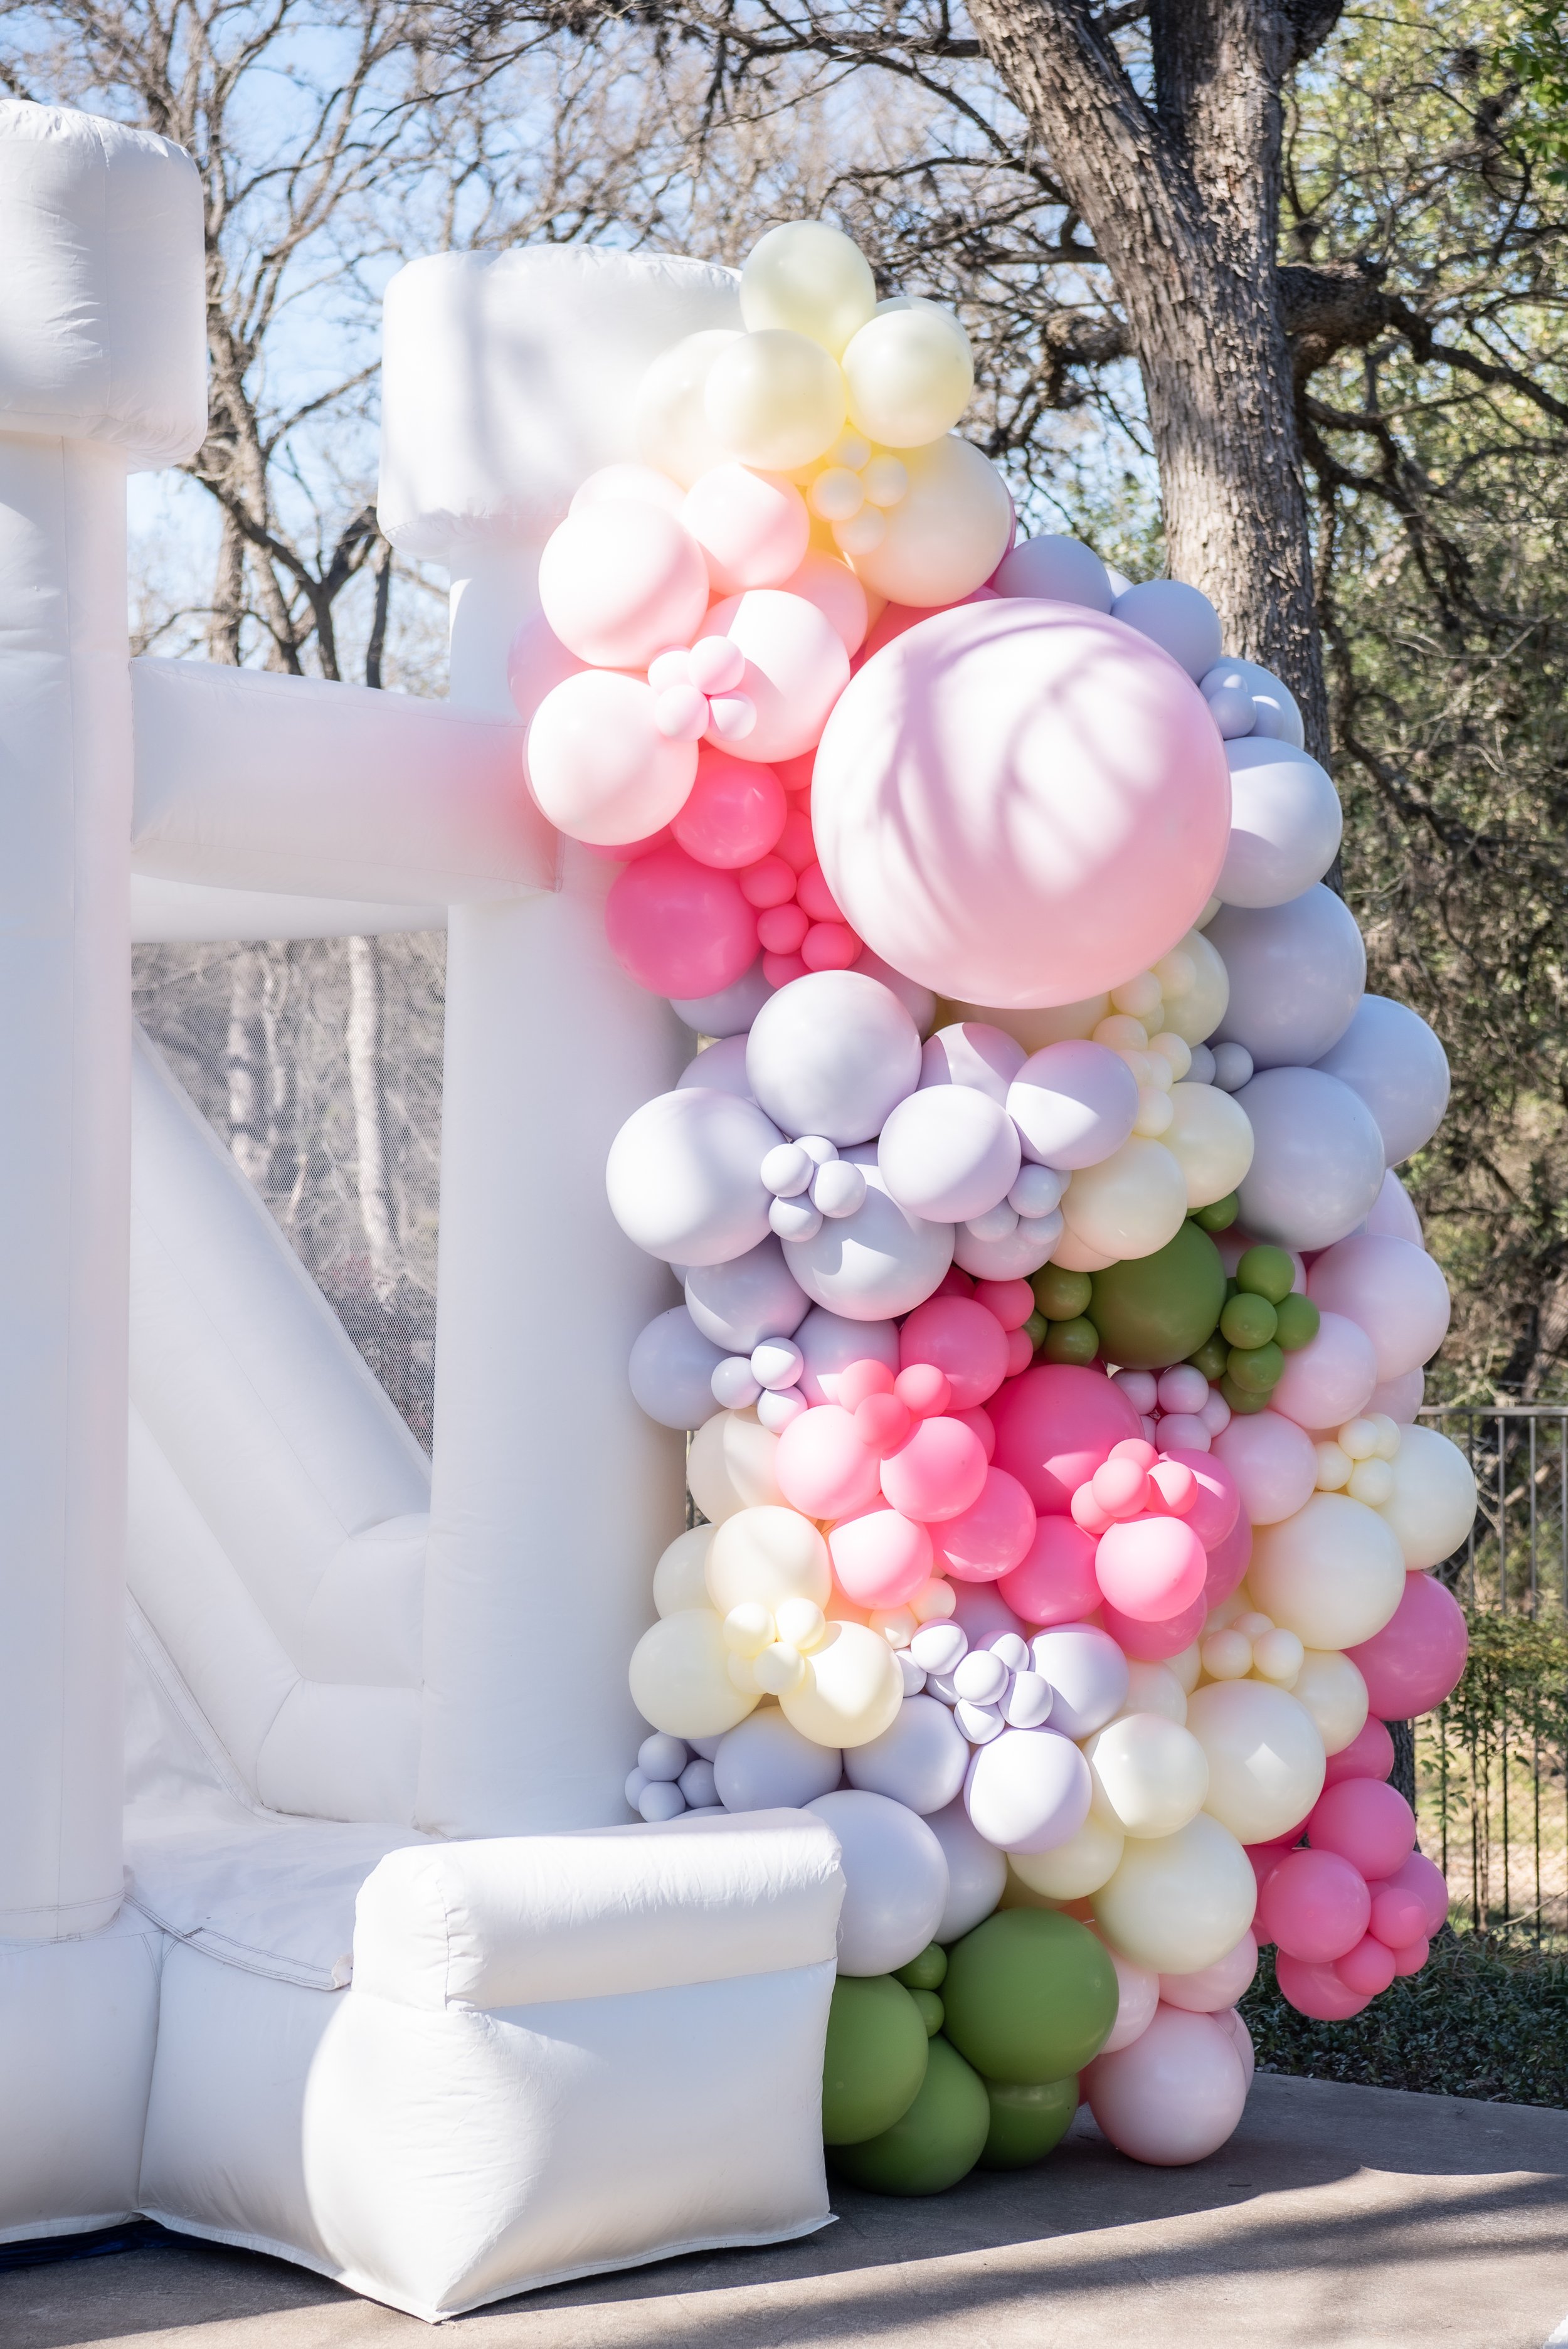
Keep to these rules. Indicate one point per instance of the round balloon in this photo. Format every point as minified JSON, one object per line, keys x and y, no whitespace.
{"x":796,"y":668}
{"x":671,"y":1371}
{"x":1396,"y":1292}
{"x":1057,"y":571}
{"x":873,"y":1264}
{"x":1028,"y":1789}
{"x":746,"y":1299}
{"x":730,"y":1466}
{"x":851,"y":1691}
{"x":680,"y":1677}
{"x":1175,"y":2095}
{"x":948,"y":1153}
{"x":1273,"y":1462}
{"x":1296,"y":972}
{"x":895,"y":1880}
{"x":1433,"y":1503}
{"x":936,"y":2143}
{"x":1265,"y":1758}
{"x":1029,"y":1996}
{"x":875,"y":2058}
{"x":1285,"y":823}
{"x":1074,"y":1102}
{"x":1211,"y":1139}
{"x":1156,"y":1310}
{"x":1071,"y":1870}
{"x":919,"y":1760}
{"x":1088,"y":1674}
{"x":683,"y":1176}
{"x":946,"y":535}
{"x":764,"y":1764}
{"x":976,"y":1871}
{"x":1178,"y":619}
{"x":1391,"y":1058}
{"x":1178,"y":1902}
{"x":1417,"y":1658}
{"x":1333,"y":1690}
{"x":1317,"y":1158}
{"x":1150,"y":1772}
{"x":1330,"y":1379}
{"x":680,"y":928}
{"x":833,"y":1054}
{"x":1130,"y":1203}
{"x":1333,"y":1573}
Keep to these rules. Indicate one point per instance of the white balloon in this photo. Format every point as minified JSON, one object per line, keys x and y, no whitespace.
{"x":810,"y":278}
{"x":920,"y":1760}
{"x":1089,"y":1673}
{"x":1175,"y":2095}
{"x":1265,"y":1760}
{"x":1333,"y":1693}
{"x":1074,"y":1103}
{"x":1330,"y":1379}
{"x":1137,"y":1997}
{"x":1433,"y":1503}
{"x":877,"y":1262}
{"x":1393,"y":1216}
{"x":1317,"y":1158}
{"x":731,"y":1011}
{"x":683,"y":1176}
{"x":1151,"y":1774}
{"x":671,"y":1369}
{"x":1333,"y":1574}
{"x":1028,"y":1789}
{"x":1178,"y":619}
{"x":762,"y":1557}
{"x":1392,"y":1289}
{"x":1154,"y":1688}
{"x":1391,"y":1058}
{"x":948,"y":1152}
{"x":1278,"y":713}
{"x":679,"y":1676}
{"x":1015,"y":1256}
{"x":719,"y":1068}
{"x":1285,"y":823}
{"x":1296,"y":973}
{"x":672,"y":427}
{"x":765,"y":1765}
{"x":895,"y":1880}
{"x":853,"y":1689}
{"x":746,"y":1299}
{"x":830,"y":1343}
{"x":1178,"y":1902}
{"x":976,"y":1872}
{"x":680,"y":1577}
{"x":972,"y":1052}
{"x":1209,"y":1139}
{"x":730,"y":1466}
{"x":946,"y":534}
{"x":832,"y":1054}
{"x":1073,"y":1869}
{"x":1055,"y":571}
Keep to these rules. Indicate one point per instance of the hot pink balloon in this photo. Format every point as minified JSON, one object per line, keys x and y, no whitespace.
{"x":989,"y":1537}
{"x":1330,"y":1379}
{"x":1019,"y":802}
{"x":1369,"y":1755}
{"x":984,"y":1430}
{"x":796,"y":668}
{"x":680,"y":928}
{"x":964,"y":1339}
{"x":1152,"y":1643}
{"x":1273,"y":1462}
{"x":1012,"y":1301}
{"x":1150,"y":1569}
{"x":1054,"y":1427}
{"x":1412,"y":1957}
{"x":1398,"y":1914}
{"x":1054,"y":1583}
{"x":938,"y":1473}
{"x":734,"y":814}
{"x":1213,"y":1516}
{"x":1422,"y":1877}
{"x":1367,"y":1823}
{"x":1175,"y":2095}
{"x":1265,"y":1857}
{"x":822,"y":1467}
{"x":1315,"y":1905}
{"x":1367,"y":1968}
{"x":1228,"y":1563}
{"x":1316,"y":1990}
{"x":880,"y":1557}
{"x":1417,"y":1658}
{"x":1393,"y":1288}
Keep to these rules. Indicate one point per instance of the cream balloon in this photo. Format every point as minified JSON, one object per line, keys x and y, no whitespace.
{"x":1073,"y":1256}
{"x":810,"y":279}
{"x":1198,"y":1010}
{"x":1264,"y":1754}
{"x":1331,"y":1688}
{"x":730,"y":1467}
{"x":1131,"y":1205}
{"x":948,"y":531}
{"x":1178,"y":1902}
{"x":680,"y":1577}
{"x":680,"y":1678}
{"x":1154,"y":1688}
{"x":1076,"y":1868}
{"x":1433,"y":1503}
{"x":1149,"y":1771}
{"x":763,"y":1556}
{"x":775,"y":399}
{"x":910,"y":374}
{"x":851,"y":1689}
{"x":672,"y":431}
{"x":1333,"y":1574}
{"x":1209,"y":1139}
{"x":1056,"y":1023}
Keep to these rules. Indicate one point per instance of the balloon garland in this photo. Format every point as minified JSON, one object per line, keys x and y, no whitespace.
{"x":1053,"y":1326}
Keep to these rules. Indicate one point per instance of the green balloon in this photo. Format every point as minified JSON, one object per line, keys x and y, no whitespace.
{"x":932,"y":2013}
{"x":1241,"y":1399}
{"x":1265,"y":1271}
{"x":875,"y":2058}
{"x":1035,"y":1329}
{"x":1071,"y":1341}
{"x":1247,"y":1321}
{"x":937,"y":2141}
{"x":1257,"y":1369}
{"x":1027,"y":2121}
{"x":1030,"y":1996}
{"x":1211,"y":1358}
{"x":1220,"y":1214}
{"x":1061,"y":1295}
{"x":928,"y":1971}
{"x":1297,"y":1323}
{"x":1154,"y":1310}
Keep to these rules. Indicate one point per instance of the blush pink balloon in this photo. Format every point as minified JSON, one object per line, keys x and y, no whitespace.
{"x":1215,"y":1987}
{"x":1120,"y":1488}
{"x":1213,"y":1513}
{"x":1055,"y":1425}
{"x":1018,"y":802}
{"x":1316,"y":1990}
{"x":680,"y":928}
{"x":1369,"y":1755}
{"x":1314,"y":1905}
{"x":734,"y":813}
{"x":1399,"y":1916}
{"x":752,"y":527}
{"x":1417,"y":1658}
{"x":1274,"y":1463}
{"x":938,"y":1473}
{"x":1329,"y":1380}
{"x":621,"y":580}
{"x":1228,"y":1563}
{"x":796,"y":668}
{"x":1393,"y":1288}
{"x":1154,"y":1643}
{"x":1425,"y":1878}
{"x":597,"y":764}
{"x":1367,"y":1968}
{"x":836,"y":591}
{"x":1055,"y":1582}
{"x":880,"y":1557}
{"x":536,"y":663}
{"x":1150,"y":1569}
{"x":821,"y":1466}
{"x":991,"y":1536}
{"x":964,"y":1339}
{"x":1175,"y":2095}
{"x":1367,"y":1823}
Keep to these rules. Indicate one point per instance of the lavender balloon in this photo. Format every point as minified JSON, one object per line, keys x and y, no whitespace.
{"x":1029,"y":1790}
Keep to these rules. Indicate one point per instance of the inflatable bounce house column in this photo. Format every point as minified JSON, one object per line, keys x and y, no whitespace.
{"x":102,"y":358}
{"x":505,"y":383}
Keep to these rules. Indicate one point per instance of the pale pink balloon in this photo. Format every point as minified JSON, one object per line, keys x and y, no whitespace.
{"x":1392,"y":1289}
{"x":1273,"y":1462}
{"x":938,"y":1473}
{"x":1367,"y":1968}
{"x":600,"y":769}
{"x":536,"y":663}
{"x":752,"y":527}
{"x":1150,"y":1569}
{"x":1316,"y":1989}
{"x":796,"y":668}
{"x":989,"y":1537}
{"x":1136,"y":1996}
{"x":1401,"y":1399}
{"x":642,"y":483}
{"x":1055,"y":1425}
{"x":821,"y":1466}
{"x":1214,"y":1987}
{"x":1020,"y":803}
{"x":836,"y":591}
{"x":962,"y":1337}
{"x":1369,"y":1824}
{"x":1054,"y":1583}
{"x":880,"y":1557}
{"x":1218,"y":1504}
{"x":1151,"y":1643}
{"x":1417,"y":1658}
{"x":1330,"y":1379}
{"x":1316,"y":1906}
{"x":1228,"y":1561}
{"x":1412,"y":1957}
{"x":620,"y":581}
{"x":1175,"y":2095}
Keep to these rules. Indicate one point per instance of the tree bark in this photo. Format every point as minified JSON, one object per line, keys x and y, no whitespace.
{"x":376,"y":1208}
{"x":245,"y":1061}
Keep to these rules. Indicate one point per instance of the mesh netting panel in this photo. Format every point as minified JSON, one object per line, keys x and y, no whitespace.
{"x":319,"y":1064}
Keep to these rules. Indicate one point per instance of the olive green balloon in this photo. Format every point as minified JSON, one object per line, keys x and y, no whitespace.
{"x":1061,"y":1295}
{"x":1220,"y":1214}
{"x":1297,"y":1323}
{"x":1258,"y":1369}
{"x":1070,"y":1342}
{"x":936,"y":2143}
{"x":1211,"y":1358}
{"x":1265,"y":1271}
{"x":932,"y":2013}
{"x":1241,"y":1401}
{"x":926,"y":1971}
{"x":1027,"y":2121}
{"x":1030,"y":1996}
{"x":1247,"y":1321}
{"x":875,"y":2058}
{"x":1154,"y":1310}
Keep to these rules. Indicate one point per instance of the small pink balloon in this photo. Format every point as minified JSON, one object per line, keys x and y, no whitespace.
{"x":1173,"y":1489}
{"x":822,"y":1467}
{"x":1369,"y":1755}
{"x":620,"y":580}
{"x":734,"y":814}
{"x":1393,"y":1288}
{"x":1152,"y":1643}
{"x":1315,"y":1905}
{"x":1120,"y":1488}
{"x":1175,"y":2095}
{"x":1217,"y":1504}
{"x":597,"y":763}
{"x":1417,"y":1658}
{"x":829,"y":946}
{"x":1274,"y":1463}
{"x":938,"y":1473}
{"x":1367,"y":1968}
{"x":860,"y":1380}
{"x":1412,"y":1957}
{"x":1401,"y":1398}
{"x":1398,"y":1914}
{"x":924,"y":1389}
{"x":1012,"y":1301}
{"x":880,"y":1557}
{"x":1150,"y":1569}
{"x":1365,"y":1822}
{"x":796,"y":668}
{"x":1228,"y":1563}
{"x":1215,"y":1987}
{"x":1422,"y":1877}
{"x":1330,"y":1379}
{"x":836,"y":591}
{"x":752,"y":527}
{"x":1055,"y":1425}
{"x":1055,"y":1582}
{"x":680,"y":928}
{"x":1315,"y":1989}
{"x":991,"y":1536}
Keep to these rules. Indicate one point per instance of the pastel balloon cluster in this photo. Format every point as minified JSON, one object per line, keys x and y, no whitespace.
{"x":1355,"y":1904}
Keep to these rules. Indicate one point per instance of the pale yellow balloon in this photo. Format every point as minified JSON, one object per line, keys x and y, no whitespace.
{"x":1033,"y":1029}
{"x":1198,"y":1012}
{"x":730,"y":1466}
{"x":1178,"y":1902}
{"x":673,"y":433}
{"x":948,"y":531}
{"x":1333,"y":1574}
{"x":1432,"y":1505}
{"x":1131,"y":1203}
{"x":911,"y":374}
{"x":810,"y":278}
{"x":1210,"y":1139}
{"x":768,"y":1555}
{"x":776,"y":400}
{"x":1331,"y":1688}
{"x":851,"y":1689}
{"x":1265,"y":1757}
{"x":680,"y":1577}
{"x":1154,"y":1688}
{"x":680,"y":1677}
{"x":1075,"y":1868}
{"x":1150,"y":1772}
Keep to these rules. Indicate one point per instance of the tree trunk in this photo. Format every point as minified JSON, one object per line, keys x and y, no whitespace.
{"x":377,"y":1209}
{"x":245,"y":1060}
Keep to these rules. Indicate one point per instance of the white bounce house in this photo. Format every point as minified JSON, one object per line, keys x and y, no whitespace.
{"x":322,"y":1931}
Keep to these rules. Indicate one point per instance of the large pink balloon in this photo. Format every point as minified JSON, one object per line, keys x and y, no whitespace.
{"x":1418,"y":1657}
{"x":1392,"y":1289}
{"x":1020,"y":803}
{"x":1273,"y":1462}
{"x":1314,"y":1905}
{"x":1332,"y":1377}
{"x":1175,"y":2095}
{"x":679,"y":927}
{"x":1055,"y":1425}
